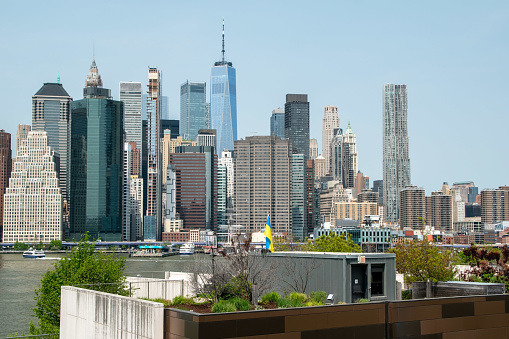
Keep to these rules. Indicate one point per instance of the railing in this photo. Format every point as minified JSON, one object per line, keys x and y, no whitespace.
{"x":46,"y":336}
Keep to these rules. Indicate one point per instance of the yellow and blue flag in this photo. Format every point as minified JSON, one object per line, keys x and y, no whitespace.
{"x":268,"y":236}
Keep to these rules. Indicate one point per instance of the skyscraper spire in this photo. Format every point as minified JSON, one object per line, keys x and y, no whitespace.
{"x":222,"y":51}
{"x":93,"y":77}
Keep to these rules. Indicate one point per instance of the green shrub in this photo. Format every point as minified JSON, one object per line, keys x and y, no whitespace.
{"x":223,"y":306}
{"x":318,"y":297}
{"x":283,"y":303}
{"x":241,"y":304}
{"x":270,"y":297}
{"x":362,"y":300}
{"x":236,"y":287}
{"x":298,"y":297}
{"x":179,"y":300}
{"x":406,"y":295}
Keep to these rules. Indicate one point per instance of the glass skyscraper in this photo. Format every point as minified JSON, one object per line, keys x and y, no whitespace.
{"x":297,"y":123}
{"x":277,"y":123}
{"x":223,"y":103}
{"x":96,"y":162}
{"x":193,"y":97}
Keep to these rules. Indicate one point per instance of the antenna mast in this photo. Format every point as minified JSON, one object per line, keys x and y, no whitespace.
{"x":222,"y":51}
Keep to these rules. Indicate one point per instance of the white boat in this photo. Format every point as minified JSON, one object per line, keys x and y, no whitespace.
{"x":187,"y":248}
{"x":33,"y":253}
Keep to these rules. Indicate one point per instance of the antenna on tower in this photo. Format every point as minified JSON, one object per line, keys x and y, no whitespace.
{"x":222,"y":51}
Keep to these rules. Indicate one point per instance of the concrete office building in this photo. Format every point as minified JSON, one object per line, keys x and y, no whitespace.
{"x":222,"y":197}
{"x":412,"y":207}
{"x":297,"y":123}
{"x":298,"y":196}
{"x":321,"y":167}
{"x":33,"y":200}
{"x":355,"y":210}
{"x":330,"y":123}
{"x":313,"y":148}
{"x":350,"y":162}
{"x":367,"y":195}
{"x":21,"y":134}
{"x":5,"y":170}
{"x":263,"y":183}
{"x":396,"y":160}
{"x":206,"y":137}
{"x":227,"y":161}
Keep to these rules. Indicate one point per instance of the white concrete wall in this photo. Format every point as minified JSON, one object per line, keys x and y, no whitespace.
{"x":90,"y":314}
{"x":153,"y":288}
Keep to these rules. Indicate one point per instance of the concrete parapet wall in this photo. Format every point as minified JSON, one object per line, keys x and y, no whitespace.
{"x":91,"y":314}
{"x":455,"y":289}
{"x":152,"y":288}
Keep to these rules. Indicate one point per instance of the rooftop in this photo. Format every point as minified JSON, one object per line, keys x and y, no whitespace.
{"x":52,"y":89}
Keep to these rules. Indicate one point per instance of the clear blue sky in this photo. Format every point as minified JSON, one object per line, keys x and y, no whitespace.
{"x":452,"y":55}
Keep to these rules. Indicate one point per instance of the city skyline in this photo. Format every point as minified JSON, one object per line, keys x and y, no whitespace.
{"x":446,"y":58}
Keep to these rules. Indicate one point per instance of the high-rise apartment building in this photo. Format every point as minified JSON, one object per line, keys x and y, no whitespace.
{"x":396,"y":160}
{"x":330,"y":123}
{"x":495,"y":205}
{"x":350,"y":162}
{"x":263,"y":183}
{"x":297,"y":123}
{"x":154,"y":163}
{"x":311,"y":197}
{"x":33,"y":202}
{"x":96,"y":180}
{"x":313,"y":148}
{"x":222,"y":197}
{"x":131,"y":96}
{"x":21,"y":134}
{"x":321,"y":167}
{"x":439,"y":208}
{"x":196,"y":182}
{"x":5,"y":170}
{"x":136,"y":189}
{"x":413,"y":207}
{"x":367,"y":195}
{"x":50,"y":112}
{"x":126,"y":190}
{"x":193,"y":97}
{"x":223,"y":102}
{"x":277,"y":123}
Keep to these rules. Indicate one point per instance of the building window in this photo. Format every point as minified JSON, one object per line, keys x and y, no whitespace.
{"x":377,"y":280}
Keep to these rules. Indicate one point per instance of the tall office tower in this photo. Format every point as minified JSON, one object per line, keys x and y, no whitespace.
{"x":153,"y":215}
{"x":463,"y":188}
{"x":50,"y":112}
{"x":396,"y":157}
{"x":131,"y":96}
{"x":226,"y":160}
{"x":97,"y":145}
{"x":136,"y":159}
{"x":313,"y":148}
{"x":166,"y":151}
{"x":330,"y":122}
{"x":165,"y":113}
{"x":136,"y":189}
{"x":126,"y":200}
{"x":5,"y":170}
{"x":263,"y":183}
{"x":298,"y":197}
{"x":378,"y":186}
{"x":335,"y":166}
{"x":310,"y":198}
{"x":222,"y":197}
{"x":196,"y":181}
{"x":472,"y":194}
{"x":277,"y":123}
{"x":21,"y":134}
{"x":412,"y":207}
{"x":321,"y":167}
{"x":439,"y":211}
{"x":361,"y":182}
{"x":171,"y":193}
{"x":350,"y":162}
{"x":193,"y":97}
{"x":223,"y":103}
{"x":206,"y":137}
{"x":172,"y":125}
{"x":33,"y":200}
{"x":297,"y":123}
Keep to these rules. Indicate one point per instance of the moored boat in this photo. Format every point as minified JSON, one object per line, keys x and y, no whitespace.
{"x":187,"y":248}
{"x":34,"y":253}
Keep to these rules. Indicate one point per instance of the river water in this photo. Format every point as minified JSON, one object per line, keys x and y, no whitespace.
{"x":19,"y":278}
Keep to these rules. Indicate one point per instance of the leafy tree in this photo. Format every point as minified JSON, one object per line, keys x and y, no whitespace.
{"x":20,"y":246}
{"x":491,"y":265}
{"x":55,"y":245}
{"x":334,"y":243}
{"x":420,"y":260}
{"x":82,"y":267}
